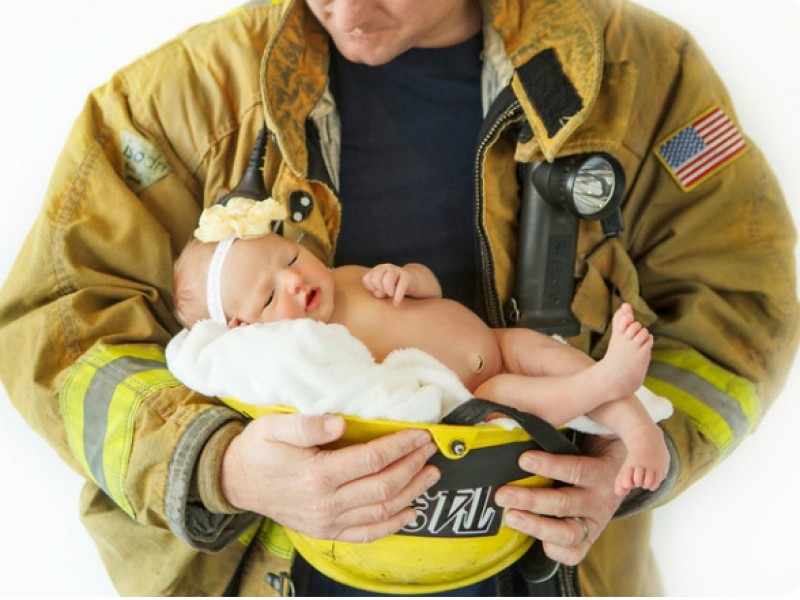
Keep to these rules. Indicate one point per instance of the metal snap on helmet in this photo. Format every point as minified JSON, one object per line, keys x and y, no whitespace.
{"x":458,"y":537}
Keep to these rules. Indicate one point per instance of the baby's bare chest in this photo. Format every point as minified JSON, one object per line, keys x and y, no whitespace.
{"x":445,"y":329}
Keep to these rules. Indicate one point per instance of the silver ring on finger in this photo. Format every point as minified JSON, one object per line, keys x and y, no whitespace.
{"x":585,"y":527}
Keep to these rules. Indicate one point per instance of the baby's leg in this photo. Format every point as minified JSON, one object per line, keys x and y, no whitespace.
{"x":647,"y":460}
{"x":557,"y":382}
{"x":625,"y":362}
{"x":541,"y":376}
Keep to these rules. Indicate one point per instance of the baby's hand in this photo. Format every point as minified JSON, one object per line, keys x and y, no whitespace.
{"x":389,"y":281}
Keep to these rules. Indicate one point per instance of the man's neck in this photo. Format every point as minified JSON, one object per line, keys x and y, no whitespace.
{"x":465,"y":23}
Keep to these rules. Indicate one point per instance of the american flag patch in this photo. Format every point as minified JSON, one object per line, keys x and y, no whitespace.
{"x":701,"y":148}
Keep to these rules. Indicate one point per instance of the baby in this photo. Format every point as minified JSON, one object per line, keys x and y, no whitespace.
{"x":270,"y":278}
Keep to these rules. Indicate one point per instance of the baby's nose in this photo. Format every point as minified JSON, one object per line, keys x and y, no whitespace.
{"x":294,"y":281}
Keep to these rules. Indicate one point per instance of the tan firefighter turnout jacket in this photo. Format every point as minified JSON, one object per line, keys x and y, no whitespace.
{"x":706,"y":260}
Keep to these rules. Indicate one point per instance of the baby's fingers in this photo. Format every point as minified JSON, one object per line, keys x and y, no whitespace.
{"x":400,"y":290}
{"x":373,"y":279}
{"x":389,"y":282}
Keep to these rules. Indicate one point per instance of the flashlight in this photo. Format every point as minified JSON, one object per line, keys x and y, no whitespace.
{"x":554,"y":197}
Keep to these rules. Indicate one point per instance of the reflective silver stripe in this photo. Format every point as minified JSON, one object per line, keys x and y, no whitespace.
{"x":724,"y":405}
{"x":96,"y":403}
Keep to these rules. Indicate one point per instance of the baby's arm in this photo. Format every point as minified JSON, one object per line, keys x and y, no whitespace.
{"x":391,"y":281}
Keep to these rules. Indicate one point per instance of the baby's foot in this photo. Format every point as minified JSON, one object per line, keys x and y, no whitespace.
{"x":625,"y":363}
{"x":647,"y":461}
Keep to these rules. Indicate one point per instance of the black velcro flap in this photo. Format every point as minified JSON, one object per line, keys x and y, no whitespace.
{"x":550,"y":90}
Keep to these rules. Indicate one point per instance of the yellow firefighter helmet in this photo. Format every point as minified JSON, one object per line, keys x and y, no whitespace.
{"x":458,"y":537}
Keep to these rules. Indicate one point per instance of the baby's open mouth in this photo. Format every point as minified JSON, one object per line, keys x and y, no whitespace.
{"x":312,"y":297}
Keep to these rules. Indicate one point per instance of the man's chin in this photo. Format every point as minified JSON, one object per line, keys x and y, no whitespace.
{"x":370,"y":54}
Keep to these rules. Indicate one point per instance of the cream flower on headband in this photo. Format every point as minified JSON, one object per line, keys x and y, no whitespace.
{"x":240,"y":217}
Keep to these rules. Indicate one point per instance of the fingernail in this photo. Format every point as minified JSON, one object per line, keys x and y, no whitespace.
{"x":423,"y":437}
{"x":412,"y":517}
{"x":504,"y":498}
{"x":528,"y":463}
{"x":432,"y":476}
{"x":332,"y":424}
{"x":512,"y":519}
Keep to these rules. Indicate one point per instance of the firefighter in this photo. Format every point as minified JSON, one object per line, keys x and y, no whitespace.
{"x":372,"y":136}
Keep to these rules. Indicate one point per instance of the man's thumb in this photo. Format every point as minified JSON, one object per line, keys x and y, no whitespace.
{"x":302,"y":430}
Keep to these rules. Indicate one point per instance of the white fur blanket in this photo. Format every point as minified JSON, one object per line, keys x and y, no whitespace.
{"x":321,"y":368}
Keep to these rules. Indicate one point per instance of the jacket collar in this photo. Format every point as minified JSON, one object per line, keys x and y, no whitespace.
{"x":555,"y":48}
{"x":294,"y":77}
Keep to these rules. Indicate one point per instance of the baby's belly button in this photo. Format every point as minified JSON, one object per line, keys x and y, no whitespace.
{"x":476,"y":362}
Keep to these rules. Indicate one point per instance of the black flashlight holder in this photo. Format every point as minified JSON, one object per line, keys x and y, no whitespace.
{"x":251,"y":185}
{"x":548,"y":240}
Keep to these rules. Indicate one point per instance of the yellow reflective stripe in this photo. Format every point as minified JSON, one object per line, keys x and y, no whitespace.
{"x":71,"y":398}
{"x":118,"y":440}
{"x":275,"y":539}
{"x":73,"y":393}
{"x":272,"y":536}
{"x":709,"y":423}
{"x":99,"y":402}
{"x":248,"y":535}
{"x":97,"y":405}
{"x":723,"y":406}
{"x":740,"y":389}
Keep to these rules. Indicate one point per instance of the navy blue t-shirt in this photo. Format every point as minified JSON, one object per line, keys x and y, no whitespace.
{"x":409,"y":137}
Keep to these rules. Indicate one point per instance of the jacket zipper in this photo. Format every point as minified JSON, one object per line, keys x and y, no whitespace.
{"x":490,"y":296}
{"x":568,"y":581}
{"x":567,"y":575}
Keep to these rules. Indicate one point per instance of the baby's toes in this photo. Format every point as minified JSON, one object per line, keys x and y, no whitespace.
{"x":622,"y":317}
{"x":642,"y":336}
{"x":633,"y":330}
{"x":622,"y":485}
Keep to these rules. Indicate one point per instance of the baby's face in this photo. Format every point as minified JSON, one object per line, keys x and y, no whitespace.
{"x":270,"y":278}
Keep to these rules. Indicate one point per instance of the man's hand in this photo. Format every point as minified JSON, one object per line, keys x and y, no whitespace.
{"x":356,"y":494}
{"x":549,"y":513}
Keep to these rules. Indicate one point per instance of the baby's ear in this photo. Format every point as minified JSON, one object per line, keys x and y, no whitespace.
{"x":236,"y":322}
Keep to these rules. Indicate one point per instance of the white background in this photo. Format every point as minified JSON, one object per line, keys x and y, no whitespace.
{"x":733,"y":534}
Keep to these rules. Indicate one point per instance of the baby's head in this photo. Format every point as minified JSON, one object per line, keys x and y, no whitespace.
{"x":256,"y":280}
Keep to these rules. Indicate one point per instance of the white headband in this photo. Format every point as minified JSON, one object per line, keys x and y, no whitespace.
{"x":214,"y":282}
